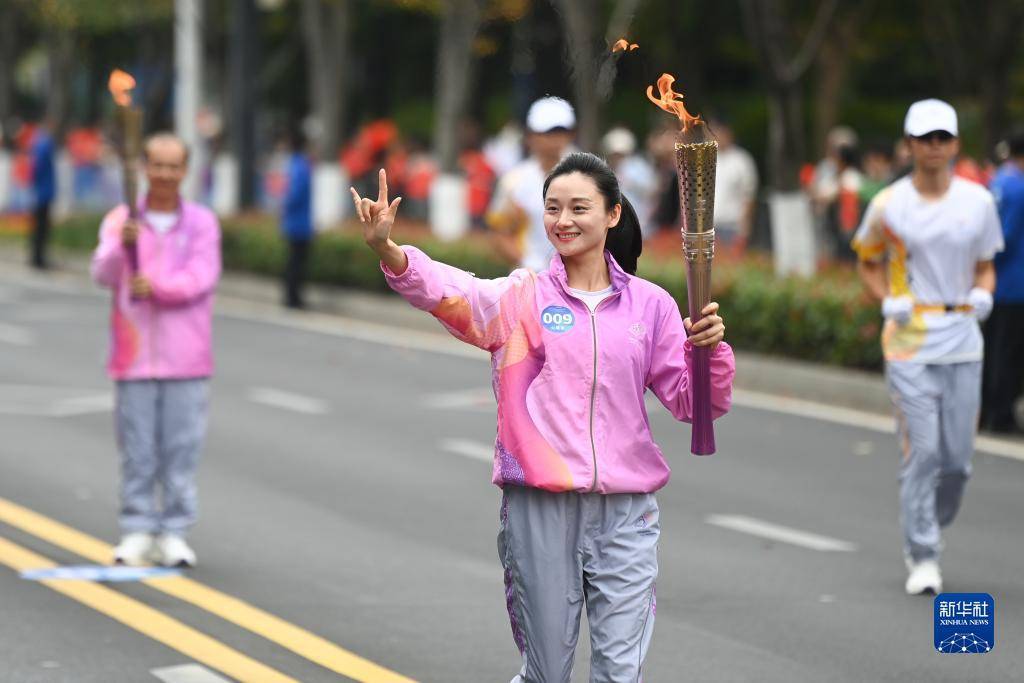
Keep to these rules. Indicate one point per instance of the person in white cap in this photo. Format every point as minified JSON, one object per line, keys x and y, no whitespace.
{"x":636,"y":176}
{"x":735,"y":190}
{"x":516,"y":214}
{"x":925,"y":249}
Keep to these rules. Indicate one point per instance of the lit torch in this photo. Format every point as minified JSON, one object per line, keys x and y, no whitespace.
{"x":696,"y":159}
{"x":129,"y":120}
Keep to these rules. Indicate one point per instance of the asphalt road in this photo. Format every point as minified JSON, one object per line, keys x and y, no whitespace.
{"x":345,"y":491}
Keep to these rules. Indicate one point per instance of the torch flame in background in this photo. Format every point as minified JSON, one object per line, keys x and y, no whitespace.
{"x":672,"y":102}
{"x":119,"y":84}
{"x":622,"y":45}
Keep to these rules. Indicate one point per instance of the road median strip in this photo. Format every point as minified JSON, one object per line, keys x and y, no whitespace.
{"x":300,"y":641}
{"x":146,"y":620}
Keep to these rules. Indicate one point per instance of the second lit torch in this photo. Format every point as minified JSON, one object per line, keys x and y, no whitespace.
{"x":129,"y":124}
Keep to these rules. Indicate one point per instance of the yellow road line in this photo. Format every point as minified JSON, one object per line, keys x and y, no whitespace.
{"x":146,"y":620}
{"x":288,"y":635}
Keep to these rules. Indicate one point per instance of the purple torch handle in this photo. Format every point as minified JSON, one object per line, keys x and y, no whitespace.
{"x":702,"y":438}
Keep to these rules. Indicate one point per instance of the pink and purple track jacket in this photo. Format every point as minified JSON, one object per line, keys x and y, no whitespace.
{"x":569,"y":383}
{"x":167,"y":336}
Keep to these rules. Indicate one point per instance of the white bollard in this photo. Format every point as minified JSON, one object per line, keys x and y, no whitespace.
{"x":330,"y":195}
{"x":792,"y":224}
{"x":224,"y":194}
{"x":6,"y":168}
{"x":63,"y":202}
{"x":448,"y":213}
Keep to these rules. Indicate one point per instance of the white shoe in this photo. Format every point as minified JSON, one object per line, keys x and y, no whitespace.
{"x":134,"y":549}
{"x":174,"y":552}
{"x":925,"y":577}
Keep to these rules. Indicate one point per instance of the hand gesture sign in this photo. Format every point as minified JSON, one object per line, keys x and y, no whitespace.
{"x":378,"y":216}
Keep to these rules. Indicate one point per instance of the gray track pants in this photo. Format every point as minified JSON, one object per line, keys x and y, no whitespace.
{"x":937,"y":417}
{"x":161,"y":425}
{"x":560,"y":550}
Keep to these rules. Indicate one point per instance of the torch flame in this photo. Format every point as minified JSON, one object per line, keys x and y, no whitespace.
{"x":119,"y":84}
{"x":621,"y":45}
{"x":672,"y":102}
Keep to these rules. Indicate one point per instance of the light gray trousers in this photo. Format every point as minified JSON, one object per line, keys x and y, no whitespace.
{"x":937,"y":417}
{"x":161,"y":425}
{"x":561,"y":550}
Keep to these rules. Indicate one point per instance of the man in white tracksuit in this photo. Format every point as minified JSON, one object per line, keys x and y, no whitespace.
{"x":926,"y":246}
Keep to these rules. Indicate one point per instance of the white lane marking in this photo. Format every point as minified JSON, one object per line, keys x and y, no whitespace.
{"x":470,"y":449}
{"x":49,"y":401}
{"x":884,"y":424}
{"x":288,"y":401}
{"x":83,"y":405}
{"x":16,"y":335}
{"x":350,"y":328}
{"x":783,"y":534}
{"x":814,"y":410}
{"x":468,"y":399}
{"x":187,"y":673}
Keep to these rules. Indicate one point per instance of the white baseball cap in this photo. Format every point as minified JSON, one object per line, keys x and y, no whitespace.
{"x":549,"y":113}
{"x":925,"y":116}
{"x":619,"y":141}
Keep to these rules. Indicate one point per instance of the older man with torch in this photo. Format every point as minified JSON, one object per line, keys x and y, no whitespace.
{"x":696,"y":157}
{"x":160,"y":256}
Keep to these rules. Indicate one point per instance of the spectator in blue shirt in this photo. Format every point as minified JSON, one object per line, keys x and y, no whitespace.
{"x":44,"y":188}
{"x":297,"y":220}
{"x":1004,"y":331}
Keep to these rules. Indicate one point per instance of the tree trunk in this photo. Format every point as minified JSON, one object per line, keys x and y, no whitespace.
{"x":460,"y":21}
{"x":833,"y":65}
{"x":976,"y":45}
{"x":995,"y":92}
{"x":1001,"y":43}
{"x":831,"y":75}
{"x":8,"y":58}
{"x":786,"y":143}
{"x":325,"y":25}
{"x":618,"y":27}
{"x":60,"y":51}
{"x":580,"y":18}
{"x":593,"y":66}
{"x":242,"y":72}
{"x":767,"y":28}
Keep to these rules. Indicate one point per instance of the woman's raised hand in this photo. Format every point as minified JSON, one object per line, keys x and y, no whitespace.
{"x":377,"y":216}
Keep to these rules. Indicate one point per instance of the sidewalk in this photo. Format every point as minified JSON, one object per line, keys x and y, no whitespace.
{"x":841,"y":387}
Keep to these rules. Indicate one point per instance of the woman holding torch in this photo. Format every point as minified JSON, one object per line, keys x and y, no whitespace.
{"x":573,"y":351}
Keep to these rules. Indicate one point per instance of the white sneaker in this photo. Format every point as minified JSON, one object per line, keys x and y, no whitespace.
{"x":134,"y":549}
{"x":174,"y":552}
{"x":925,"y":577}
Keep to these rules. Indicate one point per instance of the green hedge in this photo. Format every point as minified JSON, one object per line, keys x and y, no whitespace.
{"x":826,"y":319}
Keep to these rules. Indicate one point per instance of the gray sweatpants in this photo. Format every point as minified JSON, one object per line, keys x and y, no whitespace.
{"x":161,"y":425}
{"x":937,"y":417}
{"x":561,"y":550}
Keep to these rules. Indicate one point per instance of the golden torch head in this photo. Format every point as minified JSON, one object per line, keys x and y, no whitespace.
{"x":696,"y":163}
